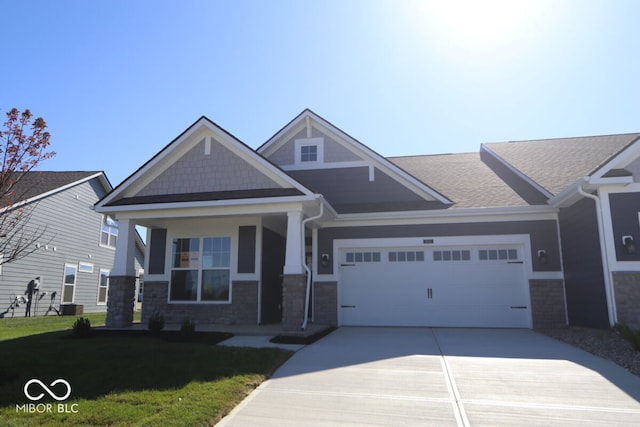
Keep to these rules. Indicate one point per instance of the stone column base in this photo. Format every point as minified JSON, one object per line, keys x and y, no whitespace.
{"x":294,"y":287}
{"x":120,"y":303}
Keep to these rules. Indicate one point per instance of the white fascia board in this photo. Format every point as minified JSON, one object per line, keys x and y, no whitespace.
{"x":541,"y":189}
{"x":519,"y":213}
{"x":621,"y":160}
{"x":138,"y":180}
{"x":57,"y":190}
{"x":569,"y":195}
{"x":357,"y":148}
{"x":219,"y":207}
{"x":383,"y":164}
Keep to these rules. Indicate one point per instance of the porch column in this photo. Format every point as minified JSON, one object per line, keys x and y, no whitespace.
{"x":122,"y":279}
{"x":294,"y":277}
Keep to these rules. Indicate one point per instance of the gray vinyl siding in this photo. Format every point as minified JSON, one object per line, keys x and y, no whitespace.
{"x":349,"y":190}
{"x":583,"y":271}
{"x":333,"y":151}
{"x":72,"y":235}
{"x":624,"y":217}
{"x":543,"y":235}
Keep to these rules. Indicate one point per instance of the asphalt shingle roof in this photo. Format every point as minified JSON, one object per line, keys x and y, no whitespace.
{"x":555,"y":164}
{"x":38,"y":182}
{"x":463,"y":178}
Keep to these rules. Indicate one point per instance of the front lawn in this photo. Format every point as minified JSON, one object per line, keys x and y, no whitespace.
{"x":119,"y":380}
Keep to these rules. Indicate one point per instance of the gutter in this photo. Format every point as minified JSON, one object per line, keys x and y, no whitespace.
{"x":609,"y":291}
{"x":304,"y":262}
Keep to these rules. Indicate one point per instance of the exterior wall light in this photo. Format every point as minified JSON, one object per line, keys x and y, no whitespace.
{"x":542,"y":256}
{"x":324,"y":260}
{"x":629,"y":244}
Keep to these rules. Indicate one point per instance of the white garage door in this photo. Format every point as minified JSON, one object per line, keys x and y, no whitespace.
{"x":479,"y":286}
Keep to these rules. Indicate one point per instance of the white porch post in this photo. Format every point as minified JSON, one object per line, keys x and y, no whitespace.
{"x":293,"y":257}
{"x":124,"y":261}
{"x":122,"y":280}
{"x":293,"y":278}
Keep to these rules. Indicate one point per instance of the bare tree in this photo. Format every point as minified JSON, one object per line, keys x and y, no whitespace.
{"x":23,"y":146}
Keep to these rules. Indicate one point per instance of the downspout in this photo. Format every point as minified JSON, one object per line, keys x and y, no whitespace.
{"x":604,"y":253}
{"x":304,"y":263}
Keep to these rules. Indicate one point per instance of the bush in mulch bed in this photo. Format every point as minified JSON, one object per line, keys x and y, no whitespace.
{"x":210,"y":338}
{"x":292,"y":339}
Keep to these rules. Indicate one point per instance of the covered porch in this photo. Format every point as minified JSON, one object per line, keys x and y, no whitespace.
{"x":242,"y":264}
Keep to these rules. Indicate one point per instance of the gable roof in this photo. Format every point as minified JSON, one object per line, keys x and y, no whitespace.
{"x":35,"y":185}
{"x":396,"y":172}
{"x":555,"y":164}
{"x":126,"y":193}
{"x":463,"y":177}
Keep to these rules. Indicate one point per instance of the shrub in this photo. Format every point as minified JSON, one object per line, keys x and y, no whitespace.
{"x":187,"y":329}
{"x":631,"y":335}
{"x":156,"y":322}
{"x":82,"y":327}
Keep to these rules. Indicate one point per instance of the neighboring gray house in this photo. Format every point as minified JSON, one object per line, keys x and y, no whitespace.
{"x":73,"y":258}
{"x":522,"y":234}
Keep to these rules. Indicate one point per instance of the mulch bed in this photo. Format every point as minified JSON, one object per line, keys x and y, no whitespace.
{"x":292,"y":339}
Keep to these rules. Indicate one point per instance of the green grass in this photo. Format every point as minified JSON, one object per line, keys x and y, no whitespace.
{"x":124,"y":381}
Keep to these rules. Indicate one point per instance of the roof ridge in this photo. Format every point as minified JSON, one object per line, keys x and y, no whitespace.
{"x":565,"y":137}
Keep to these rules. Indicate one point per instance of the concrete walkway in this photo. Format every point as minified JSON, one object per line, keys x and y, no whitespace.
{"x":423,"y":377}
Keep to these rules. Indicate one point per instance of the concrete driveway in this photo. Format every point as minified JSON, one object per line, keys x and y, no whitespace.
{"x":424,"y":377}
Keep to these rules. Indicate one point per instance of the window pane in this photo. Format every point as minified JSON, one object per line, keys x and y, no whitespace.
{"x":376,"y":257}
{"x":446,"y":255}
{"x":184,"y":285}
{"x":420,"y":256}
{"x":437,"y":255}
{"x":483,"y":255}
{"x":216,"y":252}
{"x":411,"y":256}
{"x":350,"y":257}
{"x":393,"y":256}
{"x":67,"y":293}
{"x":102,"y":294}
{"x":103,"y":279}
{"x":104,"y":238}
{"x":466,"y":255}
{"x":186,"y":253}
{"x":513,"y":254}
{"x":456,"y":255}
{"x":70,"y":275}
{"x":367,"y":257}
{"x":502,"y":254}
{"x":215,"y":285}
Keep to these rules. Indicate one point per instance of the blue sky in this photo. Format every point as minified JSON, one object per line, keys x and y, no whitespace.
{"x":118,"y":80}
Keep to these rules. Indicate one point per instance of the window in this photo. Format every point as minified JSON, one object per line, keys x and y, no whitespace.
{"x":69,"y":283}
{"x":201,"y":269}
{"x":103,"y":287}
{"x":109,"y":232}
{"x":454,"y":255}
{"x":498,"y":254}
{"x":353,"y":257}
{"x":309,"y":153}
{"x":406,"y":256}
{"x":85,"y":267}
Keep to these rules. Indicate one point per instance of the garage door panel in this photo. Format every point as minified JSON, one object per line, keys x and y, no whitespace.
{"x":463,"y":286}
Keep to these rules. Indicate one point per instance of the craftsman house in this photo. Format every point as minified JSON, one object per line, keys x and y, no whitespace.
{"x":66,"y":269}
{"x":314,"y":226}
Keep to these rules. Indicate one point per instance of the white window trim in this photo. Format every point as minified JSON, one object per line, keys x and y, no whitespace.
{"x":200,"y":270}
{"x":75,"y":284}
{"x":308,"y":142}
{"x":88,"y":267}
{"x":102,"y":245}
{"x":106,"y":298}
